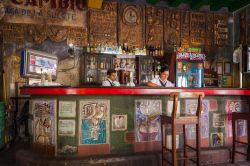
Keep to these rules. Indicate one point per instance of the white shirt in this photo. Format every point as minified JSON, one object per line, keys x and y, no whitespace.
{"x":158,"y":81}
{"x":109,"y":82}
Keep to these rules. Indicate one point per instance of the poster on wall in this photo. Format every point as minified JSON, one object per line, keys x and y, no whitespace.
{"x":119,"y":122}
{"x":170,"y":108}
{"x":94,"y":121}
{"x":235,"y":106}
{"x":148,"y":122}
{"x":66,"y":127}
{"x":218,"y":120}
{"x":190,"y":110}
{"x":67,"y":109}
{"x":44,"y":114}
{"x":216,"y":139}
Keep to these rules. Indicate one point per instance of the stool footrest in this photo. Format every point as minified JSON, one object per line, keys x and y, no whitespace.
{"x":245,"y":143}
{"x":186,"y":158}
{"x":244,"y":154}
{"x":193,"y":161}
{"x":165,"y":148}
{"x":167,"y":161}
{"x":191,"y":147}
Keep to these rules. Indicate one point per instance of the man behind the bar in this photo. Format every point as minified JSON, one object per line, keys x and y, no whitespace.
{"x":111,"y":79}
{"x":162,"y":80}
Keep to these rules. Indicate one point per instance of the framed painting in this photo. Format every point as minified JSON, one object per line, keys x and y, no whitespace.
{"x":227,"y":68}
{"x":219,"y":67}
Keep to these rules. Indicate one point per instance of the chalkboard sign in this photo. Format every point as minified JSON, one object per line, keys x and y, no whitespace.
{"x":221,"y":31}
{"x":103,"y":24}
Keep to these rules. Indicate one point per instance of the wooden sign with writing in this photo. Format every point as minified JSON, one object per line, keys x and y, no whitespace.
{"x":35,"y":33}
{"x":197,"y":28}
{"x":154,"y":26}
{"x":103,"y":25}
{"x":78,"y":36}
{"x":129,"y":137}
{"x":209,"y":42}
{"x":57,"y":33}
{"x":13,"y":33}
{"x":172,"y":28}
{"x":185,"y":28}
{"x":50,"y":12}
{"x":242,"y":16}
{"x":221,"y":37}
{"x":131,"y":25}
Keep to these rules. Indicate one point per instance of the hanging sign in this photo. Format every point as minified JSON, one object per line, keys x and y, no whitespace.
{"x":51,"y":12}
{"x":190,"y":56}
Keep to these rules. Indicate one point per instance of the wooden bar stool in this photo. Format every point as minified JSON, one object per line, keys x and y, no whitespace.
{"x":184,"y":120}
{"x":243,"y":116}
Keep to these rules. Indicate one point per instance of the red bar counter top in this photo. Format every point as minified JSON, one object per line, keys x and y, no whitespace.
{"x":130,"y":91}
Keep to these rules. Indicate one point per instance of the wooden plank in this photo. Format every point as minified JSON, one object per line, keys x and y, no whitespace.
{"x":1,"y":65}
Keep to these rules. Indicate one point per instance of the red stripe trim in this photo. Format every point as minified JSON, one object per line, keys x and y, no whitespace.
{"x":128,"y":91}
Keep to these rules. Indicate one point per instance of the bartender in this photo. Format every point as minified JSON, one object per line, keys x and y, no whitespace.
{"x":162,"y":80}
{"x":111,"y":79}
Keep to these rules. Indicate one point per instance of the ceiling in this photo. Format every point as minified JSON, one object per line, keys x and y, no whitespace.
{"x":214,"y":5}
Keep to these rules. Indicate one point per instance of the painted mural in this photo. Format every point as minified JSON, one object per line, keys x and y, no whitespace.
{"x":236,"y":106}
{"x":44,"y":113}
{"x":190,"y":109}
{"x":148,"y":123}
{"x":94,"y":121}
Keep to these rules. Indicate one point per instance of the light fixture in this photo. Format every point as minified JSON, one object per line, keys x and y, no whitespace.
{"x":71,"y":50}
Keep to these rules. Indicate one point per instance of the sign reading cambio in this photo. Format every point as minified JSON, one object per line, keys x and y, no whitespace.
{"x":51,"y":12}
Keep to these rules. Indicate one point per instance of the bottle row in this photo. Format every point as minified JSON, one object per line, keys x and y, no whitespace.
{"x":124,"y":49}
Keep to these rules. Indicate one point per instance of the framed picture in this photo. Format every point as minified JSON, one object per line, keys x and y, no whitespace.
{"x":227,"y":68}
{"x":226,"y":81}
{"x":219,"y":67}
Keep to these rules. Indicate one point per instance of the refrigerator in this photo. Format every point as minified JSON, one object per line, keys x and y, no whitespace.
{"x":189,"y":69}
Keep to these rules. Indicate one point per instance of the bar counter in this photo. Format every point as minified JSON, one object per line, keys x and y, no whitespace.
{"x":129,"y":91}
{"x":123,"y":120}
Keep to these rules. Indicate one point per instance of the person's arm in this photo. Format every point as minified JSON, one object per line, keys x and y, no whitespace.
{"x":151,"y":84}
{"x":116,"y":83}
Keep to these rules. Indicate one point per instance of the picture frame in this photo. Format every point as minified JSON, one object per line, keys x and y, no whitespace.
{"x":227,"y":81}
{"x":227,"y":68}
{"x":219,"y":67}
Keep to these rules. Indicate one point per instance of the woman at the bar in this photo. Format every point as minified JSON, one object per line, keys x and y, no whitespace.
{"x":162,"y":80}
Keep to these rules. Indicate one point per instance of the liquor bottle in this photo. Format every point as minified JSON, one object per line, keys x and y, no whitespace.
{"x":88,"y":48}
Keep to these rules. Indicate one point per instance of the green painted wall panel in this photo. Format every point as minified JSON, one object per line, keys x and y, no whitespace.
{"x":121,"y":104}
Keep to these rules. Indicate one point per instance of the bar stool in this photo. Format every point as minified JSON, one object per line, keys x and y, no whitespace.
{"x":184,"y":120}
{"x":243,"y":116}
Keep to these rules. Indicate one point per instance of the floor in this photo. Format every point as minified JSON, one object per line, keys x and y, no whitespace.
{"x":7,"y":155}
